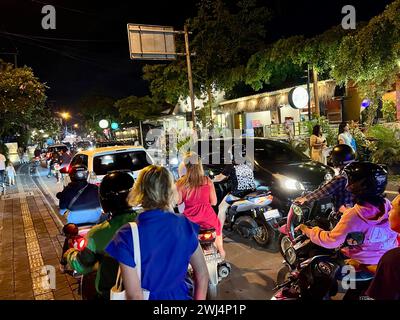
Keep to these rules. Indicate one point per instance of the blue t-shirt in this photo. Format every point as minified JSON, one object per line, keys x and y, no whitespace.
{"x":167,"y":242}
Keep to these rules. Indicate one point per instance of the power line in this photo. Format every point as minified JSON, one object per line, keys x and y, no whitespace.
{"x":59,"y":39}
{"x":74,"y":57}
{"x":61,"y":7}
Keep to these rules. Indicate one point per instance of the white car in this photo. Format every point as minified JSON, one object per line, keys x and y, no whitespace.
{"x":100,"y":161}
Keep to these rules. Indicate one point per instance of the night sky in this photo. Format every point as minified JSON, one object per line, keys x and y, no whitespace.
{"x":73,"y":69}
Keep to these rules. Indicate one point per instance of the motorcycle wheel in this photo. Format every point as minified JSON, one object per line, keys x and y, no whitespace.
{"x":264,"y":234}
{"x":243,"y":226}
{"x":224,"y":270}
{"x":283,"y":275}
{"x":212,"y":291}
{"x":284,"y":243}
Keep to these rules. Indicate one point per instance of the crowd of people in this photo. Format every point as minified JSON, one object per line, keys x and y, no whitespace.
{"x":357,"y":191}
{"x":319,"y":145}
{"x":151,"y":200}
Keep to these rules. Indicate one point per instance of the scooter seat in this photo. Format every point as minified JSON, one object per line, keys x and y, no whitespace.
{"x":255,"y":194}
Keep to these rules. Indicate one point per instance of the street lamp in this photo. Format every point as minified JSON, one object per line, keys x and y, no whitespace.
{"x":76,"y":126}
{"x":64,"y":116}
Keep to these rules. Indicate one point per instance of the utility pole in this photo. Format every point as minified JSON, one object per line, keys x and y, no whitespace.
{"x":190,"y":77}
{"x":315,"y":87}
{"x":309,"y":93}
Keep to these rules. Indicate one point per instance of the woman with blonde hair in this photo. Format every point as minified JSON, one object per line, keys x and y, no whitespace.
{"x":197,"y":192}
{"x":167,"y":241}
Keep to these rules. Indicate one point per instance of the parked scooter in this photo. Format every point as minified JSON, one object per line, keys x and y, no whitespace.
{"x":218,"y":269}
{"x":253,"y":217}
{"x":310,"y":272}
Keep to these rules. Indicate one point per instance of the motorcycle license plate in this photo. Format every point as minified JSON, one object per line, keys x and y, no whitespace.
{"x":271,"y":214}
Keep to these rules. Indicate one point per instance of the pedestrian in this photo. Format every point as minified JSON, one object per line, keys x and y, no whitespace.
{"x":11,"y":174}
{"x":317,"y":144}
{"x":25,"y":157}
{"x":168,"y":243}
{"x":345,"y":136}
{"x":197,"y":193}
{"x":2,"y":171}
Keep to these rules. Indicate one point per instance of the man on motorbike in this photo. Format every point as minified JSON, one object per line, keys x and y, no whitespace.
{"x":369,"y":216}
{"x":113,"y":193}
{"x":79,"y":200}
{"x":341,"y":155}
{"x":240,"y":172}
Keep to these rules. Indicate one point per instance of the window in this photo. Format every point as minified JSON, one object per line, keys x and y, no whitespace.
{"x":130,"y":160}
{"x":265,"y":152}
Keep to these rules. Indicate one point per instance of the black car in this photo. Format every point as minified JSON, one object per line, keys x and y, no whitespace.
{"x":288,"y":172}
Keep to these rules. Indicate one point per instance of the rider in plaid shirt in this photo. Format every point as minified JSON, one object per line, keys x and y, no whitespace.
{"x":341,"y":155}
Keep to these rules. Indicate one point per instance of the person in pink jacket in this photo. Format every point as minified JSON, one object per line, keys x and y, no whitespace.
{"x":370,"y":216}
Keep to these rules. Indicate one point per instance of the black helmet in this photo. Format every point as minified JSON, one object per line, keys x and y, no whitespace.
{"x":78,"y":172}
{"x":342,"y":154}
{"x":114,"y":190}
{"x":366,"y":178}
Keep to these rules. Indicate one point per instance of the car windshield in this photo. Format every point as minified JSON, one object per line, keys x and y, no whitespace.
{"x":130,"y":160}
{"x":271,"y":151}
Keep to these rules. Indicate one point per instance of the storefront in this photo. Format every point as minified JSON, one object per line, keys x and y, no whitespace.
{"x":260,"y":112}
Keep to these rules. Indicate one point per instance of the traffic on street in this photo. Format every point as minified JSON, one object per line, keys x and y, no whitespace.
{"x":224,"y":151}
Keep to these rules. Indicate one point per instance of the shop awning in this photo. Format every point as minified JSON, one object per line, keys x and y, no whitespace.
{"x":268,"y":100}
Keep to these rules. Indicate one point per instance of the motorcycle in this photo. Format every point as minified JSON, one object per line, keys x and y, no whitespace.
{"x":311,"y":272}
{"x":299,"y":214}
{"x":253,"y":217}
{"x":218,"y":269}
{"x":75,"y":237}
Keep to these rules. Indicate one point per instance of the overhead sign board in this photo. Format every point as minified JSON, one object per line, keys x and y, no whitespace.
{"x":151,"y":42}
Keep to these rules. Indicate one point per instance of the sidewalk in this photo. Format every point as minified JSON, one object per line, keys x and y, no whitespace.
{"x":30,"y":239}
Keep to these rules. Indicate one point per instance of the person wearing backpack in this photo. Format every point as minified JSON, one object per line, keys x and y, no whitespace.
{"x":79,"y":201}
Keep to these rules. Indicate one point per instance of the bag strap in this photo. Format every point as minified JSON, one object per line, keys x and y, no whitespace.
{"x":74,"y":199}
{"x":118,"y":282}
{"x":136,"y":248}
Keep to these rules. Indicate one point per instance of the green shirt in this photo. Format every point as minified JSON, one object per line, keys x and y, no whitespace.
{"x":94,"y":258}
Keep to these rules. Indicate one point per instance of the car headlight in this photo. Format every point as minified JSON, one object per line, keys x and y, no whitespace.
{"x":328,"y":177}
{"x":289,"y":183}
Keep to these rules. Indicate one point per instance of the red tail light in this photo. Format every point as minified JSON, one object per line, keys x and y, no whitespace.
{"x":80,"y":243}
{"x":206,"y":236}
